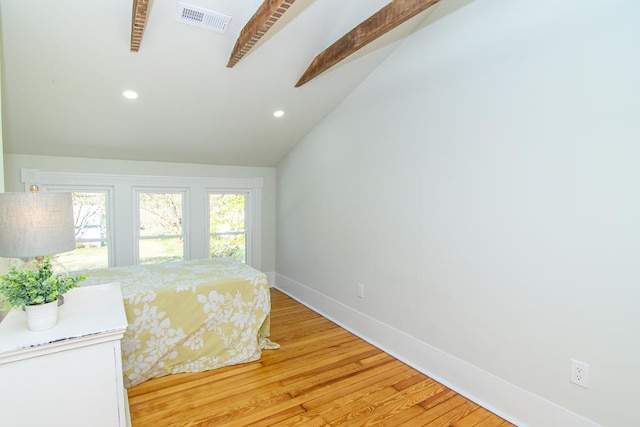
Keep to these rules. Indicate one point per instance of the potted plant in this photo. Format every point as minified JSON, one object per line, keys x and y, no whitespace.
{"x":37,"y":291}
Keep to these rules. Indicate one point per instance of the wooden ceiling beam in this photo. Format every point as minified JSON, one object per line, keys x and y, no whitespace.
{"x":138,"y":21}
{"x":378,"y":24}
{"x":267,"y":14}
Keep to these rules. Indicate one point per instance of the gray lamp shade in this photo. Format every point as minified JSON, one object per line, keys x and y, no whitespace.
{"x":35,"y":224}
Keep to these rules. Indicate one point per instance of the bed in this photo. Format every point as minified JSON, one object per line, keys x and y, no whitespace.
{"x":190,"y":316}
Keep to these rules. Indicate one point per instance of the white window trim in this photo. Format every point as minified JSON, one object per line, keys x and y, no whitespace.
{"x":186,"y":213}
{"x":123,"y":195}
{"x":248,"y":220}
{"x":108,"y":190}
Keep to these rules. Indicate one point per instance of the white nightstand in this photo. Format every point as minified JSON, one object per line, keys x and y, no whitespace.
{"x":70,"y":375}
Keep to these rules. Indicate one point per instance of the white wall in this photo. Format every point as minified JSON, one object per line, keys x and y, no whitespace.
{"x":14,"y":162}
{"x":483,"y":185}
{"x":1,"y":140}
{"x":2,"y":267}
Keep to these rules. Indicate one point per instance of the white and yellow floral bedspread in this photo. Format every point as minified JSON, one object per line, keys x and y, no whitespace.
{"x":190,"y":316}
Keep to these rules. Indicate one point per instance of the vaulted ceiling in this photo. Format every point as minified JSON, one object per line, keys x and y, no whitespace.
{"x":204,"y":96}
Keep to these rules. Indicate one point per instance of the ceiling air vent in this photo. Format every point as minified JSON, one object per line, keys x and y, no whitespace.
{"x":203,"y":18}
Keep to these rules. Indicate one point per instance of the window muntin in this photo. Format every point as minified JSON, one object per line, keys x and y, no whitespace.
{"x":228,"y":235}
{"x":161,"y":232}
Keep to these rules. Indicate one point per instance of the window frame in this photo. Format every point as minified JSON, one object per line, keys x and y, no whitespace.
{"x":136,"y":219}
{"x":109,"y":212}
{"x":248,"y":239}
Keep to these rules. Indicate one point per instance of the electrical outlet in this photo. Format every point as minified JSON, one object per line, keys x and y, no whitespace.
{"x":360,"y":290}
{"x":579,"y":373}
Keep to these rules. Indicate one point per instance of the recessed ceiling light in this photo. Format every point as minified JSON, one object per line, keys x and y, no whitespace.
{"x":278,"y":113}
{"x":130,"y":94}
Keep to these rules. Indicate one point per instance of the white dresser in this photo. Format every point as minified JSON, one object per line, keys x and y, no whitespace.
{"x":70,"y":375}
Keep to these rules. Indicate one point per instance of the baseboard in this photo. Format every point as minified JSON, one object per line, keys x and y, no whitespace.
{"x":510,"y":402}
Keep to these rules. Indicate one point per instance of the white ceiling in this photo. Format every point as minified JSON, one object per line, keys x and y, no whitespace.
{"x":66,"y":63}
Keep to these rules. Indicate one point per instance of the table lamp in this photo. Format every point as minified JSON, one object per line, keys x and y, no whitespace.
{"x":36,"y":224}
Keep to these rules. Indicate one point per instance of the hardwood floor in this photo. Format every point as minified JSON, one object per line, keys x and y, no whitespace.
{"x":321,"y":376}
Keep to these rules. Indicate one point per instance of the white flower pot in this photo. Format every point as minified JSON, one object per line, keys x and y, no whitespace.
{"x":43,"y":316}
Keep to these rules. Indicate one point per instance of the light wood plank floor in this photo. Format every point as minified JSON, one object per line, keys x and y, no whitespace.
{"x":321,"y":376}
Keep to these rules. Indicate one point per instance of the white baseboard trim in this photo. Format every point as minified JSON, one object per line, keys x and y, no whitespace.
{"x":510,"y":402}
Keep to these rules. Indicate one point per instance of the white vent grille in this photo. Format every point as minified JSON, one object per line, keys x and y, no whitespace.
{"x":203,"y":18}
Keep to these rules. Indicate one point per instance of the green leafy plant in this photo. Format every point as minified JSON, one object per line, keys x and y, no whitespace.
{"x":22,"y":287}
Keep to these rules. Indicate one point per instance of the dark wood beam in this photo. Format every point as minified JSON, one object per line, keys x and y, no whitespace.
{"x":138,"y":21}
{"x":267,"y":14}
{"x":381,"y":22}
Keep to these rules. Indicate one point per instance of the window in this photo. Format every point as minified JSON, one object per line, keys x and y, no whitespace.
{"x":161,"y":233}
{"x":131,"y":202}
{"x":227,"y":229}
{"x":90,"y":215}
